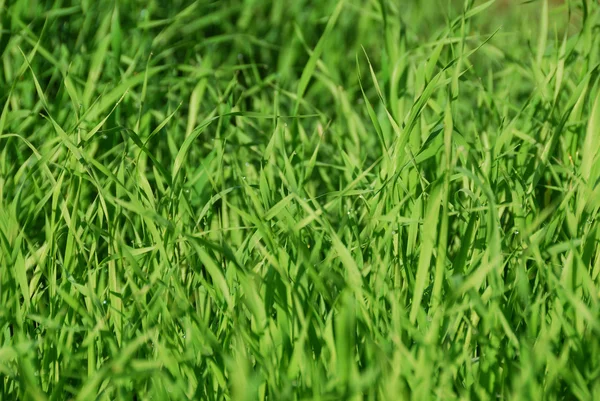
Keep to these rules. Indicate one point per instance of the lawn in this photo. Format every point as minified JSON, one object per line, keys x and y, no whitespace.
{"x":299,"y":200}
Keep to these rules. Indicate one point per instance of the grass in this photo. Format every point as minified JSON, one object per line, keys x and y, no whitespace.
{"x":332,"y":200}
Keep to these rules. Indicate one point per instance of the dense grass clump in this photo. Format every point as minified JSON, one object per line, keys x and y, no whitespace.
{"x":304,"y":200}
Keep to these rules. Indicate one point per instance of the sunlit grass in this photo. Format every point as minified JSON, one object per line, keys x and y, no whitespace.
{"x":255,"y":200}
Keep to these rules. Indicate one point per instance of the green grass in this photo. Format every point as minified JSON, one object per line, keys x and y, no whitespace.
{"x":304,"y":200}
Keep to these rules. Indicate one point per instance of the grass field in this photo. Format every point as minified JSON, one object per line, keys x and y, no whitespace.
{"x":303,"y":200}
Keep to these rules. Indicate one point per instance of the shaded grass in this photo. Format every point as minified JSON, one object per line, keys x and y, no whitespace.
{"x":340,"y":200}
